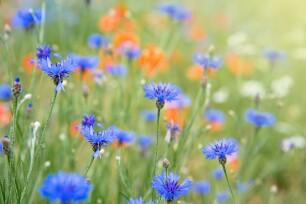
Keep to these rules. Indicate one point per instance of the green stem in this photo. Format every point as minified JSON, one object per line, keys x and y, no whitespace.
{"x":88,"y":166}
{"x":156,"y":147}
{"x":228,"y":183}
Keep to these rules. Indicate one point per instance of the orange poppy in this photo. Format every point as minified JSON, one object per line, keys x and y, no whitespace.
{"x":124,"y":37}
{"x":176,"y":115}
{"x":239,"y":66}
{"x":27,"y":65}
{"x":215,"y":126}
{"x":121,"y":10}
{"x":196,"y":72}
{"x":196,"y":32}
{"x":152,"y":58}
{"x":74,"y":131}
{"x":5,"y":116}
{"x":108,"y":23}
{"x":85,"y":76}
{"x":234,"y":165}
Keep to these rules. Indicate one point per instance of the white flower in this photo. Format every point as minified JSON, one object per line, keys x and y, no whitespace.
{"x":252,"y":88}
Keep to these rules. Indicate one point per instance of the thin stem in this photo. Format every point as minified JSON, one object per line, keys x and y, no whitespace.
{"x":13,"y":124}
{"x":228,"y":183}
{"x":156,"y":147}
{"x":88,"y":166}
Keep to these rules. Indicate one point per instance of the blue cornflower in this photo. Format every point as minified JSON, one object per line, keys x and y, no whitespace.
{"x":182,"y":101}
{"x":5,"y":92}
{"x":88,"y":62}
{"x":273,"y":55}
{"x":220,"y":149}
{"x":99,"y":139}
{"x":125,"y":137}
{"x":201,"y":187}
{"x":27,"y":18}
{"x":65,"y":187}
{"x":222,"y":197}
{"x":138,"y":201}
{"x":145,"y":141}
{"x":259,"y":119}
{"x":88,"y":121}
{"x":58,"y":71}
{"x":116,"y":69}
{"x":149,"y":115}
{"x":44,"y":52}
{"x":206,"y":61}
{"x":214,"y":116}
{"x":161,"y":92}
{"x":172,"y":132}
{"x":218,"y":173}
{"x":96,"y":40}
{"x":129,"y":50}
{"x":175,"y":11}
{"x":1,"y":149}
{"x":169,"y":187}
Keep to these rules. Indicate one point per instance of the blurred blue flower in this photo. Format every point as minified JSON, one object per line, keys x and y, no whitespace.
{"x":149,"y":115}
{"x":88,"y":62}
{"x":172,"y":132}
{"x":145,"y":141}
{"x":129,"y":50}
{"x":1,"y":149}
{"x":183,"y":101}
{"x":222,"y":197}
{"x":88,"y":121}
{"x":272,"y":55}
{"x":175,"y":11}
{"x":99,"y":139}
{"x":26,"y":18}
{"x":218,"y":173}
{"x":58,"y":71}
{"x":169,"y":187}
{"x":243,"y":187}
{"x":96,"y":40}
{"x":5,"y":92}
{"x":214,"y":115}
{"x":117,"y":69}
{"x":259,"y":119}
{"x":206,"y":61}
{"x":220,"y":149}
{"x":161,"y":92}
{"x":125,"y":137}
{"x":201,"y":187}
{"x":65,"y":187}
{"x":138,"y":201}
{"x":44,"y":52}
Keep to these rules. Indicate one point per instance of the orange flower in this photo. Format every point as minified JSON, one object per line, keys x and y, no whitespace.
{"x":123,"y":37}
{"x":196,"y":72}
{"x":108,"y":23}
{"x":74,"y":131}
{"x":121,"y":10}
{"x":196,"y":32}
{"x":216,"y":126}
{"x":153,"y":58}
{"x":176,"y":115}
{"x":118,"y":145}
{"x":239,"y":66}
{"x":234,"y":165}
{"x":27,"y":65}
{"x":86,"y":76}
{"x":5,"y":116}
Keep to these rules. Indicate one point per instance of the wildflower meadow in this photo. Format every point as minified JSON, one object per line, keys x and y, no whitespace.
{"x":147,"y":102}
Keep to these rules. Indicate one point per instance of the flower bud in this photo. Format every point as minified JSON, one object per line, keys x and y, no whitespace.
{"x":6,"y":145}
{"x":166,"y":163}
{"x":17,"y":89}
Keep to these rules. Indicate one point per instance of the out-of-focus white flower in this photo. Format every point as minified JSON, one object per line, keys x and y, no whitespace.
{"x":283,"y":127}
{"x":296,"y":141}
{"x":221,"y":95}
{"x":252,"y":88}
{"x":281,"y":86}
{"x":299,"y":53}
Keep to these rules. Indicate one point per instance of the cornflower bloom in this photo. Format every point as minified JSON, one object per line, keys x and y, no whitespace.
{"x":206,"y":61}
{"x":96,"y":40}
{"x":144,"y":143}
{"x":201,"y":187}
{"x":138,"y":201}
{"x":149,"y":115}
{"x":161,"y":92}
{"x":222,"y":197}
{"x":124,"y":138}
{"x":117,"y":69}
{"x":130,"y":50}
{"x":218,"y":173}
{"x":215,"y":117}
{"x":5,"y":92}
{"x":88,"y":62}
{"x":99,"y":139}
{"x":65,"y":187}
{"x":27,"y":18}
{"x":172,"y":132}
{"x":175,"y":11}
{"x":273,"y":55}
{"x":44,"y":52}
{"x":169,"y":187}
{"x":259,"y":119}
{"x":88,"y":121}
{"x":58,"y":71}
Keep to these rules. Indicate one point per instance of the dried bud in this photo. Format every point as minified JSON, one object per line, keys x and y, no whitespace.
{"x":17,"y":89}
{"x":6,"y":145}
{"x":166,"y":163}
